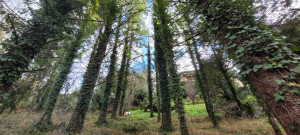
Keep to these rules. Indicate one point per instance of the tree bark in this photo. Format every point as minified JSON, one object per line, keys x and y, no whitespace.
{"x":91,"y":74}
{"x":29,"y":43}
{"x":149,"y":79}
{"x":166,"y":123}
{"x":167,"y":46}
{"x":227,"y":79}
{"x":201,"y":75}
{"x":272,"y":120}
{"x":65,"y":69}
{"x":157,"y":92}
{"x":120,"y":78}
{"x":125,"y":80}
{"x":265,"y":49}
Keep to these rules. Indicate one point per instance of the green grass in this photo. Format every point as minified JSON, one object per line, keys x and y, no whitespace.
{"x":139,"y":122}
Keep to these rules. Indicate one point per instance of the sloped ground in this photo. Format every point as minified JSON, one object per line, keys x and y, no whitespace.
{"x":18,"y":123}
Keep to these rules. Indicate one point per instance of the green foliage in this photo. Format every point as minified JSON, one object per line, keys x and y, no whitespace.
{"x":252,"y":33}
{"x":278,"y":97}
{"x":134,"y":126}
{"x":48,"y":23}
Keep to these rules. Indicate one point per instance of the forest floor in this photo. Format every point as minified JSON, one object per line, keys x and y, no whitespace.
{"x":139,"y":122}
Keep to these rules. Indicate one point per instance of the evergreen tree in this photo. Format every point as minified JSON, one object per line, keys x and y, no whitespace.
{"x":160,"y":8}
{"x":263,"y":58}
{"x":149,"y":79}
{"x":47,"y":23}
{"x":120,"y":77}
{"x":157,"y":92}
{"x":200,"y":74}
{"x":91,"y":74}
{"x":166,"y":119}
{"x":65,"y":69}
{"x":125,"y":80}
{"x":110,"y":78}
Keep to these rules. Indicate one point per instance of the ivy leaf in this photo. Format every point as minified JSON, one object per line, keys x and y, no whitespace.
{"x":278,"y":97}
{"x":232,"y":37}
{"x":227,"y":35}
{"x":233,"y":45}
{"x":282,"y":91}
{"x":279,"y":82}
{"x":294,"y":49}
{"x":247,"y":71}
{"x":240,"y":65}
{"x":243,"y":31}
{"x":295,"y":91}
{"x":256,"y":67}
{"x":268,"y":66}
{"x":292,"y":127}
{"x":296,"y":69}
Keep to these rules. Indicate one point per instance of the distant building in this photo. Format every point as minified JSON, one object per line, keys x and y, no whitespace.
{"x":187,"y":77}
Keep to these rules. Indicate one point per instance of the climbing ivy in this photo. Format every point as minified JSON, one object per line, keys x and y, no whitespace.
{"x":254,"y":48}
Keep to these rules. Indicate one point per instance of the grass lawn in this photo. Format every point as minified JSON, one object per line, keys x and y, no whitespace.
{"x":139,"y":122}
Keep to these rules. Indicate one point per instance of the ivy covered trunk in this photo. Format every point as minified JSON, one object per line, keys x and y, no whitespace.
{"x":45,"y":90}
{"x":110,"y":77}
{"x":109,"y":84}
{"x":166,"y":119}
{"x":125,"y":80}
{"x":60,"y":80}
{"x":200,"y":74}
{"x":160,"y":8}
{"x":265,"y":60}
{"x":272,"y":120}
{"x":91,"y":74}
{"x":149,"y":79}
{"x":120,"y":78}
{"x":21,"y":49}
{"x":224,"y":72}
{"x":202,"y":89}
{"x":157,"y":92}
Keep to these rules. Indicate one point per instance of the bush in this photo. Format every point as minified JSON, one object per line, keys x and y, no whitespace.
{"x":134,"y":126}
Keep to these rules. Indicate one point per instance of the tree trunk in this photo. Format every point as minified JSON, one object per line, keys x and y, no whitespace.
{"x":109,"y":84}
{"x":90,"y":77}
{"x":125,"y":80}
{"x":201,"y":75}
{"x":256,"y":49}
{"x":157,"y":92}
{"x":167,"y":46}
{"x":166,"y":123}
{"x":150,"y":90}
{"x":227,"y":78}
{"x":65,"y":69}
{"x":272,"y":120}
{"x":29,"y":43}
{"x":120,"y":78}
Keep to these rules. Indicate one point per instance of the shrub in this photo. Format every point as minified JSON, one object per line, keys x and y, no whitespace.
{"x":134,"y":126}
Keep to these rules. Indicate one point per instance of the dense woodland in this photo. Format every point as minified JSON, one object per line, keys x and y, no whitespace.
{"x":179,"y":67}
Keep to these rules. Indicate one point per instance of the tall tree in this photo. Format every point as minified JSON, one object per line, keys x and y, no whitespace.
{"x":65,"y":69}
{"x":264,"y":59}
{"x":120,"y":77}
{"x":110,"y":78}
{"x":160,"y":8}
{"x":110,"y":14}
{"x":166,"y":122}
{"x":47,"y":23}
{"x":125,"y":80}
{"x":224,"y":72}
{"x":200,"y":72}
{"x":149,"y":79}
{"x":157,"y":92}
